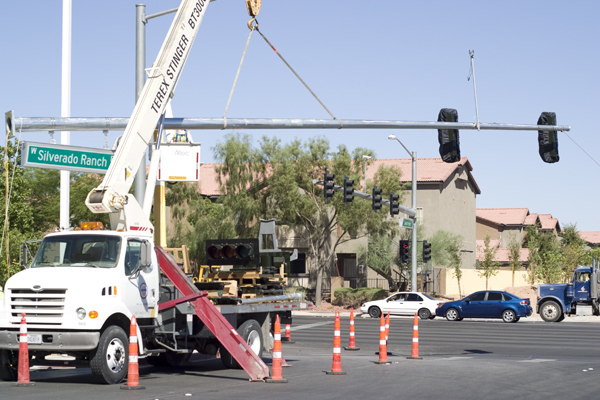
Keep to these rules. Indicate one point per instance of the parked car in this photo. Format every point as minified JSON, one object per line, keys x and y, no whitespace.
{"x":486,"y":304}
{"x":403,"y":303}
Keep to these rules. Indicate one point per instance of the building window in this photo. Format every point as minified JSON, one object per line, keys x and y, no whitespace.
{"x":298,"y":266}
{"x":420,"y":214}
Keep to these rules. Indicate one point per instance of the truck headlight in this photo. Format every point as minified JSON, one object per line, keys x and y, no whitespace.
{"x":81,"y":313}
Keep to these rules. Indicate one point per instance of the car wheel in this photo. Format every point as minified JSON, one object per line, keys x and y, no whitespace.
{"x":110,"y":359}
{"x":509,"y":316}
{"x":452,"y":314}
{"x":517,"y":319}
{"x":251,"y":332}
{"x":374,"y":312}
{"x":551,"y":312}
{"x":424,"y":313}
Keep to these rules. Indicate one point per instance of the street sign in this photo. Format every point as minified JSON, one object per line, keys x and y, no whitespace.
{"x":68,"y":158}
{"x":406,"y":223}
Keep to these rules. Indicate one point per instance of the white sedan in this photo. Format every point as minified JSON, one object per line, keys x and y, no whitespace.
{"x":403,"y":303}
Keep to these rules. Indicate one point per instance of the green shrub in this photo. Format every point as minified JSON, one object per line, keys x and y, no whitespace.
{"x":348,"y":297}
{"x":295,"y":289}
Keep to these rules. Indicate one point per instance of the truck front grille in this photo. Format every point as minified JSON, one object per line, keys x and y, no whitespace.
{"x":44,"y":307}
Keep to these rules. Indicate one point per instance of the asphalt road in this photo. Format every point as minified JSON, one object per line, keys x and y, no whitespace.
{"x":460,"y":360}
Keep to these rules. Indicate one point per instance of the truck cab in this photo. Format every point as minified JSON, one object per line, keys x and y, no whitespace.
{"x":80,"y":284}
{"x":578,"y":297}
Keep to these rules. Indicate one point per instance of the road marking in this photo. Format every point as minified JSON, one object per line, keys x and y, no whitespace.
{"x":537,"y":360}
{"x":307,"y":326}
{"x":455,"y":358}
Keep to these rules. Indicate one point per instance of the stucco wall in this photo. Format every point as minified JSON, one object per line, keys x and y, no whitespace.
{"x":472,"y":282}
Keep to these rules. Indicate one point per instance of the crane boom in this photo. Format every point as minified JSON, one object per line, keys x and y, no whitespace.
{"x":112,"y":194}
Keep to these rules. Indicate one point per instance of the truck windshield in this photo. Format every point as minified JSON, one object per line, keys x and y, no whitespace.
{"x":100,"y":251}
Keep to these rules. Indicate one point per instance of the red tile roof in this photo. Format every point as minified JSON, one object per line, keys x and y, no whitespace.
{"x":503,"y":216}
{"x":590,"y":237}
{"x":531,"y":219}
{"x":428,"y":170}
{"x":549,"y":223}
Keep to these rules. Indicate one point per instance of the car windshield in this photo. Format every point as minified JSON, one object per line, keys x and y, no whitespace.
{"x":428,"y":296}
{"x":99,"y":251}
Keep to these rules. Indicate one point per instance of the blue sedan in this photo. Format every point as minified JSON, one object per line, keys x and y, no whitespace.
{"x":486,"y":304}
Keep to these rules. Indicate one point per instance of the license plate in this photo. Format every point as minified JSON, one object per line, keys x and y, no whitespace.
{"x":34,"y":339}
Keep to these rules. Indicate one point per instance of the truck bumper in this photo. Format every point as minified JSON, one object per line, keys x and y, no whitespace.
{"x":52,"y":340}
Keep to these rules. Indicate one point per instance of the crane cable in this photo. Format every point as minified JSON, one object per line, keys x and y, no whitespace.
{"x":253,"y":10}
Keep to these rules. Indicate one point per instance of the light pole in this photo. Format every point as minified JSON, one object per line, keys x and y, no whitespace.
{"x":366,"y":158}
{"x":413,"y":257}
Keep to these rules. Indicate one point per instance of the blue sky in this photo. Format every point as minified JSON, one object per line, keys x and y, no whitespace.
{"x":378,"y":59}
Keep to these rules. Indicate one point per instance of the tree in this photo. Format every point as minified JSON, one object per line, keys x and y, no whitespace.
{"x":545,"y":257}
{"x":514,"y":255}
{"x":488,"y":267}
{"x":446,"y":251}
{"x":275,"y":181}
{"x":573,"y":249}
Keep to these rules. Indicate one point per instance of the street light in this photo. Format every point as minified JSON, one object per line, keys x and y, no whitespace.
{"x":366,"y":158}
{"x":413,"y":266}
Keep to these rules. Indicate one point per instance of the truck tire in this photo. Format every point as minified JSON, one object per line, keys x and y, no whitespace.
{"x":551,"y":311}
{"x":251,"y":332}
{"x":109,"y":361}
{"x":8,"y":365}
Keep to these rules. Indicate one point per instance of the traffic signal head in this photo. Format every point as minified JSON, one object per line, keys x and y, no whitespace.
{"x":348,"y":190}
{"x":404,"y":251}
{"x":376,"y":198}
{"x":426,"y":251}
{"x":548,"y":140}
{"x":448,"y":138}
{"x":394,"y":205}
{"x":328,"y":185}
{"x":232,"y":252}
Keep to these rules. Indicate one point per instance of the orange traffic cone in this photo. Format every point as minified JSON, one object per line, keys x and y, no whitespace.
{"x":288,"y":337}
{"x":336,"y":368}
{"x":352,"y":343}
{"x":414,"y":354}
{"x":23,"y":372}
{"x":276,"y":374}
{"x":133,"y":375}
{"x":387,"y":327}
{"x":382,"y":343}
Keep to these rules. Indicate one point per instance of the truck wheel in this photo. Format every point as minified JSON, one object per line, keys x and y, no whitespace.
{"x":8,"y":365}
{"x":251,"y":332}
{"x":551,"y":312}
{"x":110,"y":359}
{"x":374,"y":312}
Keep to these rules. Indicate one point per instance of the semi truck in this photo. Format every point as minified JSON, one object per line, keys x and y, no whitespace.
{"x":84,"y":285}
{"x":578,"y":297}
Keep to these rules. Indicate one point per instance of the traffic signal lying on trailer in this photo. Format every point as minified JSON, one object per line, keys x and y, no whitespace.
{"x":548,"y":140}
{"x":232,"y":252}
{"x":426,"y":251}
{"x":328,"y":185}
{"x":448,"y":138}
{"x":348,"y":190}
{"x":376,"y":199}
{"x":394,"y":204}
{"x":404,"y":251}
